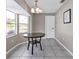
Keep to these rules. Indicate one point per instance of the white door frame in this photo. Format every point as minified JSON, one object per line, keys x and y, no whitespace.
{"x":45,"y":24}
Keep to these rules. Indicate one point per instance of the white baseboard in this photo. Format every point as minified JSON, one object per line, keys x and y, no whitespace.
{"x":26,"y":42}
{"x":14,"y":47}
{"x":64,"y":46}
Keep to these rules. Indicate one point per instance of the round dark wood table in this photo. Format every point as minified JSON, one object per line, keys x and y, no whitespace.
{"x":32,"y":38}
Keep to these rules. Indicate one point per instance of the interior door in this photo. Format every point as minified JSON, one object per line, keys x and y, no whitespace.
{"x":50,"y":26}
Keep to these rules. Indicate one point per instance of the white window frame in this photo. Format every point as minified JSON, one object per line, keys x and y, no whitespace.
{"x":28,"y":24}
{"x":12,"y":34}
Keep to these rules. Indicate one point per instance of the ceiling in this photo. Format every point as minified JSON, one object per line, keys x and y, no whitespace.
{"x":14,"y":7}
{"x":48,"y":6}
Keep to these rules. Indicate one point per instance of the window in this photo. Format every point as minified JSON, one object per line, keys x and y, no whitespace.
{"x":10,"y":23}
{"x":23,"y":24}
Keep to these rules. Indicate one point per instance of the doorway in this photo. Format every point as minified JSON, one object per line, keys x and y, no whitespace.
{"x":49,"y":26}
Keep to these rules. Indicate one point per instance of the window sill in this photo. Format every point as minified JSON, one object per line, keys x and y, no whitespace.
{"x":11,"y":35}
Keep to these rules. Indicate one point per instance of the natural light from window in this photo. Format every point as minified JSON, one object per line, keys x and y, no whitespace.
{"x":23,"y":24}
{"x":10,"y":24}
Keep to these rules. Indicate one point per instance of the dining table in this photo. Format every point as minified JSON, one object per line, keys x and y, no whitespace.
{"x":34,"y":39}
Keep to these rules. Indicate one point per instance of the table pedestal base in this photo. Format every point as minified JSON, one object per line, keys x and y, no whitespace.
{"x":34,"y":42}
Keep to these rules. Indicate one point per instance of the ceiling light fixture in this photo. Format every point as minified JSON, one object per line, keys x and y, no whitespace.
{"x":36,"y":9}
{"x":62,"y":1}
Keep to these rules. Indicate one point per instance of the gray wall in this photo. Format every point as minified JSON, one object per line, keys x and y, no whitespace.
{"x":38,"y":25}
{"x":64,"y":32}
{"x":12,"y":41}
{"x":39,"y":22}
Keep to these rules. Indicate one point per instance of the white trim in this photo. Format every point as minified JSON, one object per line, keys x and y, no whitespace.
{"x":26,"y":42}
{"x":10,"y":35}
{"x":47,"y":36}
{"x":64,"y":46}
{"x":14,"y":47}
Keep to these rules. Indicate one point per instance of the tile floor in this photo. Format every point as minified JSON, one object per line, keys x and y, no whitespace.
{"x":51,"y":50}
